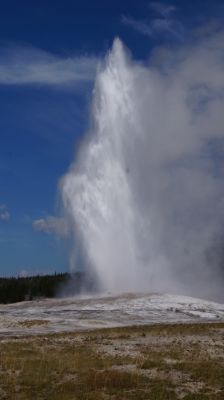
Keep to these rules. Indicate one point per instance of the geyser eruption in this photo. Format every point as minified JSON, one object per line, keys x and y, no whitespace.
{"x":98,"y":190}
{"x":144,"y":195}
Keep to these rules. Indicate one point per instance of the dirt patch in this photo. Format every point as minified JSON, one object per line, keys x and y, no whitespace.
{"x":29,"y":323}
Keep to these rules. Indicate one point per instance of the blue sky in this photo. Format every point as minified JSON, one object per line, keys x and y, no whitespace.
{"x":49,"y":51}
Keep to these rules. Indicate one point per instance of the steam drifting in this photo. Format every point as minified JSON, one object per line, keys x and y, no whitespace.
{"x":144,"y":196}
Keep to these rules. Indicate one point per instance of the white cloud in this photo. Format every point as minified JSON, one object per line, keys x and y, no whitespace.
{"x":155,"y":26}
{"x":52,"y":225}
{"x":163,"y":24}
{"x":164,"y":10}
{"x":31,"y":66}
{"x":4,"y":213}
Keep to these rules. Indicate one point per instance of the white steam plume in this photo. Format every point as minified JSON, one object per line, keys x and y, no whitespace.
{"x":145,"y":194}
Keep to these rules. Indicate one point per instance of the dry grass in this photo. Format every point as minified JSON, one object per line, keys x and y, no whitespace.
{"x":29,"y":323}
{"x":149,"y":362}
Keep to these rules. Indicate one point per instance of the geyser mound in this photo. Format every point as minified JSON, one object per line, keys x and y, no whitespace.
{"x":141,"y":196}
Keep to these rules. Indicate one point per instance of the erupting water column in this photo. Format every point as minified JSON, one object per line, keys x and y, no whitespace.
{"x":97,"y":191}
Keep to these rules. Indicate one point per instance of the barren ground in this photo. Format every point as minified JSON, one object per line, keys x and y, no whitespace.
{"x":105,"y":311}
{"x":169,"y":361}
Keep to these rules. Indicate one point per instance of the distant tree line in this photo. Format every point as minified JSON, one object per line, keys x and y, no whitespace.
{"x":13,"y":289}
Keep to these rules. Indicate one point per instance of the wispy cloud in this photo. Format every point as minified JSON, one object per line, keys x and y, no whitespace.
{"x":139,"y":26}
{"x":155,"y":26}
{"x":28,"y":65}
{"x":164,"y":23}
{"x":4,"y":213}
{"x":164,"y":10}
{"x":52,"y":225}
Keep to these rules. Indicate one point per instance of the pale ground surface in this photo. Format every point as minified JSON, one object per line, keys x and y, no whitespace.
{"x":81,"y":313}
{"x":162,"y":347}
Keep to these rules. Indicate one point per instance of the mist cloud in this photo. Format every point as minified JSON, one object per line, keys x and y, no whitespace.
{"x":145,"y":196}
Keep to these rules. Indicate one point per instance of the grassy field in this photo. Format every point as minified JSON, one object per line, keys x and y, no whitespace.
{"x":139,"y":363}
